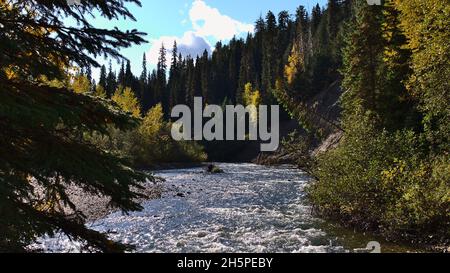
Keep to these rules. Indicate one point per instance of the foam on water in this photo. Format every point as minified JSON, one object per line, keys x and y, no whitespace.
{"x":249,"y":208}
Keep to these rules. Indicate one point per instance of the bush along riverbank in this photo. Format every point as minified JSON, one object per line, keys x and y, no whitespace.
{"x":384,"y":184}
{"x":387,"y":169}
{"x":391,"y":170}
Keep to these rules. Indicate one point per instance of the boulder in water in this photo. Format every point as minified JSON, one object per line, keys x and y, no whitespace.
{"x":214,"y":169}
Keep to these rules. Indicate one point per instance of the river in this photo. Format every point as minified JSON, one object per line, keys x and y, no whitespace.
{"x":248,"y":208}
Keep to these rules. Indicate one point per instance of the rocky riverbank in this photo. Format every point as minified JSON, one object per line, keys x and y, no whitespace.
{"x":95,"y":207}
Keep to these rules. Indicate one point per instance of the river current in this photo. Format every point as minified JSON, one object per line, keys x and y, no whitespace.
{"x":248,"y":208}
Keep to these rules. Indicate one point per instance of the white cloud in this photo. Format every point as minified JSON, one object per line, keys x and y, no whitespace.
{"x":208,"y":25}
{"x":208,"y":21}
{"x":190,"y":44}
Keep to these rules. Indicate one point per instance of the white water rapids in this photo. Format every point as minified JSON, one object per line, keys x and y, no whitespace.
{"x":249,"y":208}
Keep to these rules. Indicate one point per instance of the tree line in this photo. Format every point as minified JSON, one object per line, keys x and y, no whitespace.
{"x":259,"y":60}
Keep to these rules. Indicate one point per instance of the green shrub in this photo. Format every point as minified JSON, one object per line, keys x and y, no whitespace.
{"x":384,"y":181}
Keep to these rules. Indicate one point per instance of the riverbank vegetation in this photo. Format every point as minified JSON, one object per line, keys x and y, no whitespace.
{"x":390,"y":173}
{"x":150,"y":144}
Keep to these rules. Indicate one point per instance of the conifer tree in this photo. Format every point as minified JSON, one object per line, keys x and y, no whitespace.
{"x":88,"y":73}
{"x":129,"y":77}
{"x":121,"y":75}
{"x":283,"y":42}
{"x":268,"y":60}
{"x":205,"y":76}
{"x":247,"y":70}
{"x":190,"y":81}
{"x":102,"y":80}
{"x":316,"y":17}
{"x":152,"y":83}
{"x":234,"y":62}
{"x":174,"y":77}
{"x":363,"y":60}
{"x":333,"y":18}
{"x":32,"y":189}
{"x":143,"y":84}
{"x":181,"y":97}
{"x":197,"y":78}
{"x":143,"y":77}
{"x":396,"y":106}
{"x":111,"y":82}
{"x":160,"y":91}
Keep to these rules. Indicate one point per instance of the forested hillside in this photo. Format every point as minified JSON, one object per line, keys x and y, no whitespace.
{"x":283,"y":46}
{"x":288,"y":60}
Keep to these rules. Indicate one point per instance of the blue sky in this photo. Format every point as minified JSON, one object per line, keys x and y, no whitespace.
{"x":195,"y":24}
